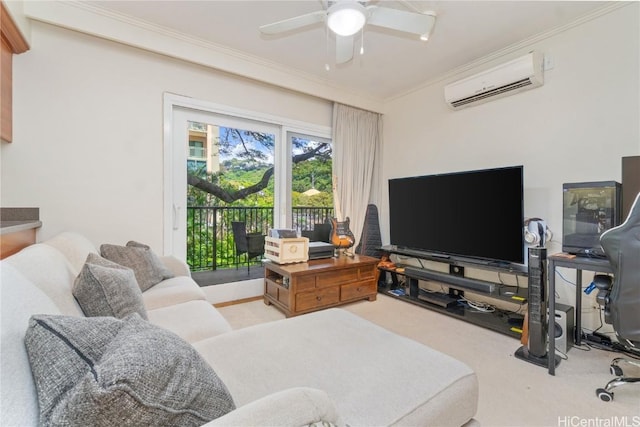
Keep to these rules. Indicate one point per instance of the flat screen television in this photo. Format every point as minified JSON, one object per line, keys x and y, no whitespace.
{"x":475,"y":214}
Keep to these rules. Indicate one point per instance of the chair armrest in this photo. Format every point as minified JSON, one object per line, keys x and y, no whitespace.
{"x":177,"y":267}
{"x":602,"y":281}
{"x":299,"y":406}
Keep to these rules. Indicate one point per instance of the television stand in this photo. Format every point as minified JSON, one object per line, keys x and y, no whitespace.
{"x":499,"y":264}
{"x":452,"y":279}
{"x":457,"y":286}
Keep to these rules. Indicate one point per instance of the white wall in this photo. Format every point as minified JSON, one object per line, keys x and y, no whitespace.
{"x":88,"y":131}
{"x":575,"y":128}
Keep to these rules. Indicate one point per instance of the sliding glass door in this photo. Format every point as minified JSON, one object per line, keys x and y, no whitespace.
{"x":224,"y":168}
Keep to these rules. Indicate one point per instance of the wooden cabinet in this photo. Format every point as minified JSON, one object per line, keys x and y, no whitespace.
{"x":318,"y":284}
{"x":11,"y":243}
{"x":12,"y":43}
{"x":17,"y":229}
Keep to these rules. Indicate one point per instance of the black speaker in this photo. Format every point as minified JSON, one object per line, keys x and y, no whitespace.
{"x":536,"y":349}
{"x":564,"y":327}
{"x":630,"y":183}
{"x":537,"y":301}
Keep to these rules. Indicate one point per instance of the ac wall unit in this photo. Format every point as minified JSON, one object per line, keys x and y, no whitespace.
{"x":507,"y":79}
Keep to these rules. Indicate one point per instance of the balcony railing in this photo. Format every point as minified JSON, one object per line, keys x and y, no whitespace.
{"x":210,"y":244}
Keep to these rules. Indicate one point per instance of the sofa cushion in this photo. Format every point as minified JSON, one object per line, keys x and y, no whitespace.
{"x":166,"y":272}
{"x":416,"y":391}
{"x":103,"y":371}
{"x":177,"y":266}
{"x":172,"y":291}
{"x":192,"y":320}
{"x":19,"y":298}
{"x":74,"y":246}
{"x":104,"y":288}
{"x":146,"y":265}
{"x":49,"y":270}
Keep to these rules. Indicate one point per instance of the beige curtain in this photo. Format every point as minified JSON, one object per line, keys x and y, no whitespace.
{"x":357,"y":141}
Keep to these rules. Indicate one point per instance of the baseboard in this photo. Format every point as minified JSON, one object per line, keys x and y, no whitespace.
{"x":238,"y":301}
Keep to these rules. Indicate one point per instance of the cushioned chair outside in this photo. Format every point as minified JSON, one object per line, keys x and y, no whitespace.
{"x":620,"y":295}
{"x":321,"y":232}
{"x":251,"y":244}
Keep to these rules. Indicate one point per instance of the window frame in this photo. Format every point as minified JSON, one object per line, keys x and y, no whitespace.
{"x":282,"y":159}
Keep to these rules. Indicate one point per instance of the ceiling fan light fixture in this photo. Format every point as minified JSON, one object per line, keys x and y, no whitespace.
{"x":346,"y":19}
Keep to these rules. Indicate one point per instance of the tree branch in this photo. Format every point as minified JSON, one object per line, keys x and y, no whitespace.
{"x":231,"y":196}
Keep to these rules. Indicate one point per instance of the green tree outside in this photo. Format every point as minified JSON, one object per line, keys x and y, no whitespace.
{"x":245,"y":179}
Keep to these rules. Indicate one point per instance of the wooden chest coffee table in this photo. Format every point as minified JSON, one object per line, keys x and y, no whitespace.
{"x":305,"y":287}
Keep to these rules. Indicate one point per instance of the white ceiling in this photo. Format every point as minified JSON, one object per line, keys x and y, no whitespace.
{"x":393,"y":63}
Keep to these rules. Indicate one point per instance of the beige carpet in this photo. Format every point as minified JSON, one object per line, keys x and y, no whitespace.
{"x":512,"y":392}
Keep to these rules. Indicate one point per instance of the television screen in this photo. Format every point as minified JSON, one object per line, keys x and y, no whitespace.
{"x":475,"y":214}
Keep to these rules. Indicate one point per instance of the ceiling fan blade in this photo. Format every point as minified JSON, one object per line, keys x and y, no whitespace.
{"x":294,"y":23}
{"x":399,"y":20}
{"x":344,"y":49}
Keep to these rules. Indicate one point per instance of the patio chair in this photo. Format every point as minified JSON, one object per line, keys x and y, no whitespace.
{"x":251,"y":244}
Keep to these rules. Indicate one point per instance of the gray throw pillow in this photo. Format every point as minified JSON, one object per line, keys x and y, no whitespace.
{"x":146,"y":265}
{"x":166,"y":273}
{"x":102,"y":371}
{"x":104,"y":288}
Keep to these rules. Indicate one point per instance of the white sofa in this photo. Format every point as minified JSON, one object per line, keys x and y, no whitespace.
{"x":330,"y":366}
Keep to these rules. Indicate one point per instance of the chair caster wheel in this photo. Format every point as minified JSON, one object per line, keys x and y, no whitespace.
{"x":604,"y":395}
{"x":615,"y":370}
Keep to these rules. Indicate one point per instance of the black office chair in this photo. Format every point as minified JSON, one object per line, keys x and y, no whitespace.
{"x":620,"y":294}
{"x":251,"y":244}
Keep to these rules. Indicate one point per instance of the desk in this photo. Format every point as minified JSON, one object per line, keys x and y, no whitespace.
{"x":578,"y":263}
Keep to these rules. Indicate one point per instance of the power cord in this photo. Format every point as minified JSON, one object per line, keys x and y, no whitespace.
{"x":582,"y":347}
{"x":564,"y":278}
{"x":563,"y":355}
{"x":482,"y":307}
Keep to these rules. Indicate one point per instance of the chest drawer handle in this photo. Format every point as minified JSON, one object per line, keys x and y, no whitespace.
{"x":318,"y":298}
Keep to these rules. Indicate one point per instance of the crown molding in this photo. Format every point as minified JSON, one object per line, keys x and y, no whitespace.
{"x":10,"y":31}
{"x":90,"y":19}
{"x":93,"y":20}
{"x":487,"y":60}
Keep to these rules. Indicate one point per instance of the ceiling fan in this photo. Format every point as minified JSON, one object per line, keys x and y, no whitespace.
{"x":346,"y":17}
